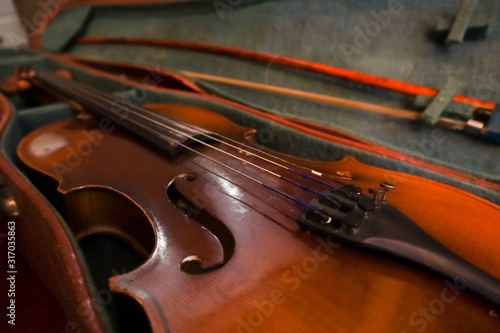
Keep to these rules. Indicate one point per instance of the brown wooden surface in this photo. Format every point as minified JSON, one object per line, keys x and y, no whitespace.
{"x":280,"y":277}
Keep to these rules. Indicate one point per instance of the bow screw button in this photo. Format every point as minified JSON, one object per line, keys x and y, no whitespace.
{"x":386,"y":187}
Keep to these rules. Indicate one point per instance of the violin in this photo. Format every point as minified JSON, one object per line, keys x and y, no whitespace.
{"x":234,"y":237}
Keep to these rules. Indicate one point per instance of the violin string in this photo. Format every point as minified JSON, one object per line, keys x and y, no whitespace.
{"x":247,"y":149}
{"x":294,"y":198}
{"x":274,"y":174}
{"x":138,"y":111}
{"x":310,"y":175}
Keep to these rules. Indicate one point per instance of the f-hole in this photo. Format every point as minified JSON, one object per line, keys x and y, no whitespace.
{"x":193,"y":263}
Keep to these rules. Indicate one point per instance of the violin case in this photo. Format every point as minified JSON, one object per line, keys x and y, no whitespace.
{"x":111,"y":45}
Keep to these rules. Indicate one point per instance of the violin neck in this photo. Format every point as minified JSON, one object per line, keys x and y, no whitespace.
{"x":166,"y":133}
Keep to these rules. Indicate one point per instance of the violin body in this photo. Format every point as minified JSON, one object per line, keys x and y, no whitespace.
{"x":223,"y":254}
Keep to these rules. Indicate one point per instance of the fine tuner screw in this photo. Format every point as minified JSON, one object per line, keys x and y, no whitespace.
{"x":380,"y":194}
{"x":387,"y":187}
